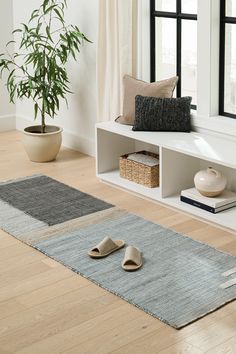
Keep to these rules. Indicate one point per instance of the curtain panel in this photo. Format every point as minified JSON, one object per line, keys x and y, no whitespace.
{"x":116,"y":54}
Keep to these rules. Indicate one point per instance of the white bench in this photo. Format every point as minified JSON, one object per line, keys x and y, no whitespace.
{"x":181,"y":156}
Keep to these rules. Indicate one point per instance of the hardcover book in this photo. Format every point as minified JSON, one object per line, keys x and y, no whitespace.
{"x":226,"y":200}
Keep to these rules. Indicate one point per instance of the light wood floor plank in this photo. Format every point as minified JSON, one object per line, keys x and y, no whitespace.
{"x":18,"y":261}
{"x":53,"y":322}
{"x":128,"y":332}
{"x":21,"y":287}
{"x":215,"y":334}
{"x":154,"y":342}
{"x":181,"y":348}
{"x":12,"y":251}
{"x":22,"y":273}
{"x":86,"y":296}
{"x":228,"y":347}
{"x":82,"y":333}
{"x":52,"y":291}
{"x":10,"y":307}
{"x":6,"y":241}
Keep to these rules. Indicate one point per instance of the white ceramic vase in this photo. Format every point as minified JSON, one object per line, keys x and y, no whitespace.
{"x":210,"y":182}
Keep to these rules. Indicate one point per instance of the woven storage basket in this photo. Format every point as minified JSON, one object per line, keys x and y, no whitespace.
{"x":138,"y":172}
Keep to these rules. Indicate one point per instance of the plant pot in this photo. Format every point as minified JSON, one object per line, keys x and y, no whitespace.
{"x":42,"y":147}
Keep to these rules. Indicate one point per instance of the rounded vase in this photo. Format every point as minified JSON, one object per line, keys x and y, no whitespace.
{"x":210,"y":182}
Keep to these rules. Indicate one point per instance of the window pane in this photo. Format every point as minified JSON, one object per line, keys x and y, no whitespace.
{"x":189,"y":60}
{"x":230,"y":68}
{"x":166,"y":5}
{"x":165,"y":48}
{"x":230,"y":8}
{"x":189,"y":7}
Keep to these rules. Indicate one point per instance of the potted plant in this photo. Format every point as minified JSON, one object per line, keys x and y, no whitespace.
{"x":37,"y":71}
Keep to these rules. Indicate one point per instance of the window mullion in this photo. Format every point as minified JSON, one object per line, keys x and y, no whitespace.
{"x":152,"y":42}
{"x":222,"y":58}
{"x":227,"y":61}
{"x":178,"y":46}
{"x":178,"y":54}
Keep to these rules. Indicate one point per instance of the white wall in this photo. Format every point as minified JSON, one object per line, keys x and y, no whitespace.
{"x":7,"y":110}
{"x":79,"y":120}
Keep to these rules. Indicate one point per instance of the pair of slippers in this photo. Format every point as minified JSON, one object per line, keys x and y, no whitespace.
{"x":132,"y":260}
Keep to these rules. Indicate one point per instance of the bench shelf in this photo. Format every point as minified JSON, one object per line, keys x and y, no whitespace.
{"x":181,"y":156}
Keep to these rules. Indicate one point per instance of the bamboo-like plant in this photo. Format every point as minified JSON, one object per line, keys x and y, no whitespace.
{"x":38,"y":69}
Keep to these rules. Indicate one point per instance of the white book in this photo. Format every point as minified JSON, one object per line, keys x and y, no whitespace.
{"x":226,"y":197}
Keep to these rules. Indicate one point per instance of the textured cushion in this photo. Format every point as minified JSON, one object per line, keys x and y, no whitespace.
{"x":134,"y":87}
{"x":162,"y":114}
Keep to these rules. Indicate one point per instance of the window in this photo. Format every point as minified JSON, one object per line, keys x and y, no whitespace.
{"x":174,"y":44}
{"x":227,"y":96}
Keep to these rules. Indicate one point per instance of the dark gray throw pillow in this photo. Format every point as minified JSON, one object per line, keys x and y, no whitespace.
{"x":162,"y":114}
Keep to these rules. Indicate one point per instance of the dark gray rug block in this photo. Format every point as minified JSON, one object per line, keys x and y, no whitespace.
{"x":178,"y":283}
{"x":48,"y":200}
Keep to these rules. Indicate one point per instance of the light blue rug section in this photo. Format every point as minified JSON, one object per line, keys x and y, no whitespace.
{"x":16,"y":222}
{"x":180,"y":278}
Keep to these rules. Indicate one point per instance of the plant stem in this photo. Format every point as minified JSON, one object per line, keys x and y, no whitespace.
{"x":43,"y":124}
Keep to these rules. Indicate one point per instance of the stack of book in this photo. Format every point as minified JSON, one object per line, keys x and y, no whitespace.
{"x":225,"y":200}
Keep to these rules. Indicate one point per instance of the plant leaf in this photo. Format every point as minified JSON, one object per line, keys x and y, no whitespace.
{"x":10,"y":42}
{"x":59,"y":14}
{"x":17,"y":30}
{"x":48,"y":33}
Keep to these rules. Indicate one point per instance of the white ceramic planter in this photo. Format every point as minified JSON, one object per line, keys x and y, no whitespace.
{"x":42,"y":147}
{"x":210,"y":182}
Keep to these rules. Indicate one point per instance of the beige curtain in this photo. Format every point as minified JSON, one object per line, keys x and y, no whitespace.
{"x":116,"y":54}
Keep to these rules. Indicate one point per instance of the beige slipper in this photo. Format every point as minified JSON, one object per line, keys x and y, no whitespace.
{"x":106,"y":247}
{"x":132,"y":259}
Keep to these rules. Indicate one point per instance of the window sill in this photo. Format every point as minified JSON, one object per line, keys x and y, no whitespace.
{"x":217,"y":125}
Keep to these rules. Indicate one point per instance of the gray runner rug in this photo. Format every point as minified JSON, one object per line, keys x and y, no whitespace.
{"x":180,"y":279}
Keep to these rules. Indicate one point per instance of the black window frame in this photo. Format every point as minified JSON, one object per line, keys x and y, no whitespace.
{"x":223,"y":21}
{"x":179,"y":16}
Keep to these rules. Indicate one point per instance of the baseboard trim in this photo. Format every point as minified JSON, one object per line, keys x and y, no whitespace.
{"x":7,"y":122}
{"x":79,"y":143}
{"x":69,"y":140}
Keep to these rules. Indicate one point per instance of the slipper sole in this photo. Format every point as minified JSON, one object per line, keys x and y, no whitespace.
{"x":132,"y":268}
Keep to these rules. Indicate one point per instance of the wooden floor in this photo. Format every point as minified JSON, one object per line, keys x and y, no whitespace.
{"x":45,"y":308}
